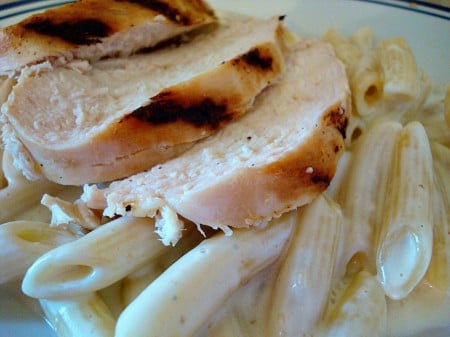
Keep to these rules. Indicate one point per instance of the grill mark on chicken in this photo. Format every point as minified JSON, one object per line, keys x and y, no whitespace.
{"x":166,"y":108}
{"x":79,"y":32}
{"x":320,"y":179}
{"x":256,"y":58}
{"x":338,"y":118}
{"x":172,"y":13}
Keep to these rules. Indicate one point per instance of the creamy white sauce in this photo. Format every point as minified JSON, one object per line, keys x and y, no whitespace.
{"x":425,"y":312}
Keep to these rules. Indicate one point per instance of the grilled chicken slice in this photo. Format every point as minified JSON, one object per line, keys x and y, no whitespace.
{"x":279,"y":156}
{"x":123,"y":115}
{"x":92,"y":29}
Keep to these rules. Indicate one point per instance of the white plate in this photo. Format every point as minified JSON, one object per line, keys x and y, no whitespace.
{"x":427,"y":29}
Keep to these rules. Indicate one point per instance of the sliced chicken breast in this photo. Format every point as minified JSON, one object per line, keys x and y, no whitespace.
{"x":92,"y":29}
{"x":277,"y":157}
{"x":87,"y":123}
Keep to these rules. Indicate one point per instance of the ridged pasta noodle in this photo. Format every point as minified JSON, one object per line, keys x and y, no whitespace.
{"x":365,"y":183}
{"x":228,"y":261}
{"x":20,"y":194}
{"x":405,"y":246}
{"x":438,"y":273}
{"x":94,"y":261}
{"x":360,"y":310}
{"x":22,"y":242}
{"x":85,"y":315}
{"x":303,"y":282}
{"x":399,"y":70}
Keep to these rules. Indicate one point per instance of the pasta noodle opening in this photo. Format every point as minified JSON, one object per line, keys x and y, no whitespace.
{"x":48,"y":238}
{"x":398,"y":256}
{"x":69,"y":273}
{"x":357,"y":263}
{"x":356,"y":133}
{"x":372,"y":95}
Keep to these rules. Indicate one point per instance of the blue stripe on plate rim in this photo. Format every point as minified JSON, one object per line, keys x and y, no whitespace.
{"x":422,"y":7}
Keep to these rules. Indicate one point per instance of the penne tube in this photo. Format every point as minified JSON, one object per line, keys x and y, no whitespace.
{"x":94,"y":261}
{"x":363,"y":38}
{"x":339,"y":178}
{"x":355,"y":128}
{"x":360,"y":311}
{"x":438,"y":273}
{"x":22,"y":242}
{"x":247,"y":311}
{"x":399,"y":69}
{"x":348,"y":52}
{"x":41,"y":213}
{"x":20,"y":194}
{"x":367,"y":88}
{"x":301,"y":289}
{"x":135,"y":283}
{"x":437,"y":130}
{"x":82,"y":316}
{"x":424,"y":313}
{"x":112,"y":296}
{"x":194,"y":287}
{"x":18,"y":198}
{"x":441,"y":164}
{"x":364,"y":188}
{"x":405,"y":246}
{"x":230,"y":326}
{"x":432,"y":116}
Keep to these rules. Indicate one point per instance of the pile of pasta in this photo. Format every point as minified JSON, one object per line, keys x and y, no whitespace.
{"x":376,"y":242}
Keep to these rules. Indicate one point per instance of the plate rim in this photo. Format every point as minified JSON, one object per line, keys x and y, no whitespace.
{"x":422,"y":7}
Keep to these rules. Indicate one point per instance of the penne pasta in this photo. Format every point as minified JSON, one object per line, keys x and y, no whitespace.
{"x":247,"y":312}
{"x":230,"y":326}
{"x":365,"y":183}
{"x":82,"y":316}
{"x":348,"y":52}
{"x":165,"y":306}
{"x":135,"y":283}
{"x":367,"y":87}
{"x":301,"y":289}
{"x":355,"y":128}
{"x":424,"y":308}
{"x":360,"y":310}
{"x":22,"y":242}
{"x":432,"y":116}
{"x":399,"y":70}
{"x":339,"y":178}
{"x":437,"y":130}
{"x":363,"y":38}
{"x":438,"y":273}
{"x":94,"y":261}
{"x":405,"y":246}
{"x":19,"y":193}
{"x":112,"y":296}
{"x":441,"y":164}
